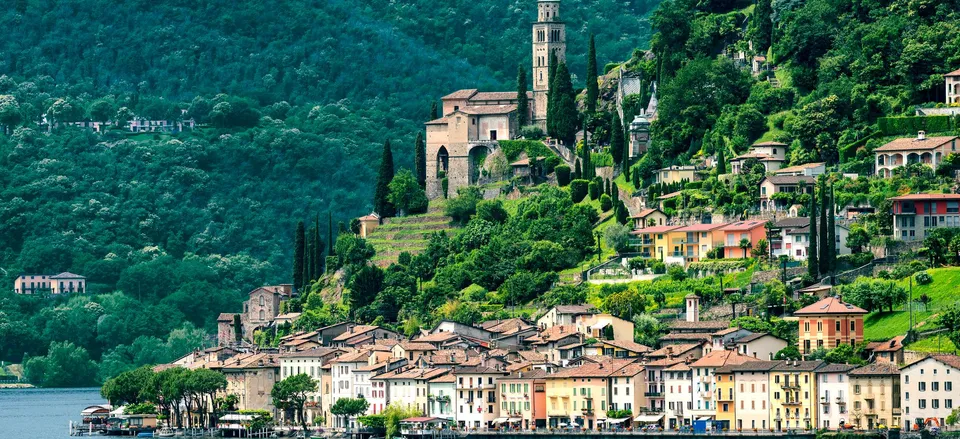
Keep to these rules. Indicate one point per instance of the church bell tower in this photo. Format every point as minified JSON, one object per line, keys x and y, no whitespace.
{"x":549,"y":36}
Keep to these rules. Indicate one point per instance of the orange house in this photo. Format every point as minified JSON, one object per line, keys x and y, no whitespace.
{"x":735,"y":233}
{"x":691,"y":243}
{"x":829,"y":323}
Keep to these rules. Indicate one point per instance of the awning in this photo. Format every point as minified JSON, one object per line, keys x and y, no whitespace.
{"x":615,"y":420}
{"x":600,"y":325}
{"x":236,"y":417}
{"x":648,"y":418}
{"x":704,"y":418}
{"x":500,"y":420}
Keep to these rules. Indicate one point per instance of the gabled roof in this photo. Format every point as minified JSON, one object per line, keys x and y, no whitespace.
{"x":700,"y":227}
{"x":497,"y":96}
{"x":627,"y":345}
{"x":416,"y":346}
{"x":953,"y":73}
{"x":798,"y":366}
{"x":830,"y":305}
{"x":768,"y":144}
{"x":67,"y":275}
{"x":465,"y":93}
{"x":654,"y":229}
{"x":225,"y":317}
{"x":312,"y":353}
{"x":687,"y":336}
{"x":576,"y":309}
{"x":481,"y":110}
{"x":792,"y":222}
{"x":876,"y":368}
{"x":436,"y":337}
{"x":892,"y":345}
{"x":592,"y":370}
{"x":721,"y":358}
{"x":353,"y":357}
{"x":788,"y":179}
{"x":836,"y":368}
{"x":645,"y":213}
{"x":743,"y":226}
{"x":756,"y":336}
{"x":798,"y":168}
{"x":670,"y":195}
{"x":355,"y":331}
{"x":677,"y":350}
{"x":438,"y":121}
{"x":714,"y":325}
{"x":749,"y":366}
{"x":530,"y":374}
{"x":949,"y":360}
{"x":913,"y":143}
{"x":913,"y":197}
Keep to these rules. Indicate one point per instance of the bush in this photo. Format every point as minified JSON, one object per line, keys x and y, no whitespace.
{"x":533,"y":148}
{"x":594,"y":190}
{"x":578,"y":190}
{"x":905,"y":269}
{"x":563,"y":175}
{"x":658,"y":267}
{"x":856,"y":259}
{"x":923,"y":278}
{"x":606,"y":203}
{"x":551,"y":163}
{"x":677,"y":272}
{"x":464,"y":205}
{"x":531,"y":132}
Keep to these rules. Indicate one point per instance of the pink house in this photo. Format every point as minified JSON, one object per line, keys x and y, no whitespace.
{"x":734,"y":233}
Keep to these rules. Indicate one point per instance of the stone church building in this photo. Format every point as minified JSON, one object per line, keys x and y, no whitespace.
{"x":473,"y":121}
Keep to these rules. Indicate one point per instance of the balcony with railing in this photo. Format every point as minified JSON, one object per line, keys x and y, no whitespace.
{"x":653,"y":394}
{"x":792,"y":402}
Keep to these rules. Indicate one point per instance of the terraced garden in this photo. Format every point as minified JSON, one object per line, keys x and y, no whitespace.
{"x":408,"y":234}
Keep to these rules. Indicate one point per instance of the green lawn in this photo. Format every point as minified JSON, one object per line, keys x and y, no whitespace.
{"x":772,"y":131}
{"x":880,"y":326}
{"x":939,"y":343}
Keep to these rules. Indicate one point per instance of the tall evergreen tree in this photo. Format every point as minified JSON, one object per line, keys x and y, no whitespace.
{"x":565,"y":113}
{"x":616,"y":140}
{"x":385,"y":175}
{"x":551,"y":96}
{"x":813,"y":268}
{"x":577,"y":171}
{"x":308,"y":253}
{"x":331,"y":239}
{"x":760,"y":28}
{"x":421,"y":158}
{"x":832,"y":230}
{"x":721,"y":162}
{"x":433,"y":111}
{"x":593,"y":89}
{"x":523,"y":105}
{"x":824,"y":246}
{"x":587,"y":168}
{"x":625,"y":162}
{"x":318,"y":249}
{"x":298,"y":257}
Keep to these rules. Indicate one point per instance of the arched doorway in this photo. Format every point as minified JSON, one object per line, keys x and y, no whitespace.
{"x":476,"y":157}
{"x":443,"y":160}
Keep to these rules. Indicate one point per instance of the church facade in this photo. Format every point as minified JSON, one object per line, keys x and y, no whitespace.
{"x":474,"y":121}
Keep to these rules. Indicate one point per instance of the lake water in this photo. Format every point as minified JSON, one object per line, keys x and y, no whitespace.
{"x":42,"y":413}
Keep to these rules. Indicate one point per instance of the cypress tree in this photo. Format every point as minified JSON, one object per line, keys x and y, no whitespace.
{"x":577,"y":172}
{"x":813,"y":268}
{"x":330,"y":238}
{"x":832,"y":230}
{"x":380,"y":203}
{"x":587,"y":168}
{"x":318,"y":249}
{"x":298,"y":258}
{"x":421,"y":158}
{"x":614,"y":191}
{"x":824,"y":246}
{"x":308,"y":253}
{"x":616,"y":140}
{"x":721,"y":163}
{"x":523,"y":106}
{"x":433,"y":111}
{"x":565,"y":113}
{"x":593,"y":89}
{"x":551,"y":96}
{"x":625,"y":162}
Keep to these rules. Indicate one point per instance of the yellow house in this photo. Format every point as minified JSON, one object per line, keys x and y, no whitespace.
{"x":691,"y":243}
{"x":793,"y":399}
{"x":653,"y":242}
{"x":579,"y":395}
{"x":726,"y":402}
{"x":677,"y":174}
{"x":875,"y":391}
{"x":617,"y":349}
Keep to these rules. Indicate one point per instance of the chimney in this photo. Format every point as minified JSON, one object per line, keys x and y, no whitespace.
{"x":921,"y":135}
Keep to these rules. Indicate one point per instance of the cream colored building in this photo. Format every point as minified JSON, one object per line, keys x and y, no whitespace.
{"x":930,"y":388}
{"x":875,"y":394}
{"x":676,"y":174}
{"x":600,"y":325}
{"x":750,"y":394}
{"x":952,"y":84}
{"x":63,"y":283}
{"x":251,"y":377}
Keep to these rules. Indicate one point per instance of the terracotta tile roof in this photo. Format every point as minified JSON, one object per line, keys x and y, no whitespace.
{"x":435,"y":337}
{"x":749,"y":366}
{"x":876,"y":368}
{"x":513,"y":367}
{"x":225,"y":317}
{"x":892,"y":345}
{"x":378,"y":366}
{"x":769,"y":143}
{"x":530,"y":374}
{"x":721,"y":358}
{"x":353,"y":357}
{"x":591,"y":370}
{"x":798,"y":366}
{"x":797,"y":168}
{"x":576,"y":309}
{"x":756,"y":155}
{"x":251,"y":361}
{"x":355,"y":331}
{"x":830,"y":305}
{"x":448,"y":378}
{"x":669,"y":196}
{"x":913,"y":143}
{"x":489,"y":109}
{"x":645,"y":212}
{"x":465,"y":93}
{"x":711,"y":325}
{"x":629,"y":370}
{"x":440,"y":121}
{"x":741,"y":226}
{"x":789,"y":179}
{"x":654,"y":229}
{"x":416,"y":346}
{"x":927,"y":197}
{"x":752,"y":337}
{"x":836,"y":368}
{"x":679,"y":367}
{"x":533,"y":356}
{"x":498,"y":96}
{"x":478,"y":370}
{"x":950,"y":360}
{"x":953,"y":73}
{"x":664,"y":362}
{"x":415,"y":373}
{"x":723,"y":332}
{"x":687,"y":336}
{"x":674,"y":350}
{"x":701,"y":227}
{"x":628,"y":345}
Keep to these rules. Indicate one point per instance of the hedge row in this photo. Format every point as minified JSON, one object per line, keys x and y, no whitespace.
{"x":533,"y":148}
{"x":895,"y":126}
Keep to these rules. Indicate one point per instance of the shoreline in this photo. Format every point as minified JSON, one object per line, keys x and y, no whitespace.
{"x":17,"y":386}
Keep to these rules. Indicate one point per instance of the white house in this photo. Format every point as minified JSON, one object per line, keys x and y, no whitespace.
{"x":309,"y":362}
{"x":477,"y":404}
{"x":344,"y":381}
{"x":833,"y":393}
{"x":761,"y":346}
{"x":441,"y":397}
{"x":564,"y":315}
{"x":930,"y":389}
{"x":678,"y":398}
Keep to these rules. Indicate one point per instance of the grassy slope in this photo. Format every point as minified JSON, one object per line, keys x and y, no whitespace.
{"x":409,"y":233}
{"x":879,"y":326}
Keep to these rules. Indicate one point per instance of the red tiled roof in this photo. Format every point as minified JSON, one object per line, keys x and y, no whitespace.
{"x":742,"y":226}
{"x":655,"y":229}
{"x":643,"y":213}
{"x":913,"y":143}
{"x":701,"y":227}
{"x":461,"y":94}
{"x":953,"y":73}
{"x":830,"y":305}
{"x":769,"y":144}
{"x":489,"y":109}
{"x":910,"y":197}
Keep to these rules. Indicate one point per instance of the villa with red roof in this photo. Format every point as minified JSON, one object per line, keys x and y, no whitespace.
{"x":771,"y":155}
{"x":929,"y":151}
{"x":652,"y":242}
{"x":692,"y":243}
{"x":829,"y":323}
{"x":915,"y":214}
{"x":952,"y":83}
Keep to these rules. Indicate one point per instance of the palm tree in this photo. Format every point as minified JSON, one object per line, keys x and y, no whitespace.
{"x":745,"y":245}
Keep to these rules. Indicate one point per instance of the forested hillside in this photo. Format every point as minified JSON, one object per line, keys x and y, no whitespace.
{"x":295,"y":99}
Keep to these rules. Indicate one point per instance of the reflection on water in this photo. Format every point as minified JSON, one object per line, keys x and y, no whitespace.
{"x":42,"y":413}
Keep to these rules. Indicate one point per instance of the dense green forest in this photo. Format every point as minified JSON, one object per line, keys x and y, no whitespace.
{"x":295,"y":99}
